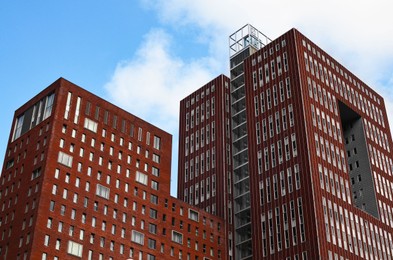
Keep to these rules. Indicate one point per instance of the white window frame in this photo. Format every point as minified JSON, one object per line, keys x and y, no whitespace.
{"x":74,"y":248}
{"x":177,"y":237}
{"x":65,"y":159}
{"x":141,"y":178}
{"x":137,"y":237}
{"x":102,"y":191}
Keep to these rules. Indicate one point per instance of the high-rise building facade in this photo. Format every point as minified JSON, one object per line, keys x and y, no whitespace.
{"x":84,"y":179}
{"x":204,"y":167}
{"x":312,"y":166}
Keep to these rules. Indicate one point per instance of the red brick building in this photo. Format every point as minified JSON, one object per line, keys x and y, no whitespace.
{"x":205,"y":170}
{"x":84,"y":179}
{"x":311,"y":149}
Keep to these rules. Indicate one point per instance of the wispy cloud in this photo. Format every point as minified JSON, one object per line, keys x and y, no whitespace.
{"x":153,"y":82}
{"x":357,"y":28}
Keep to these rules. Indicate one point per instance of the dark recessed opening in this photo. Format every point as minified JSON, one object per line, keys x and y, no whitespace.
{"x":363,"y":194}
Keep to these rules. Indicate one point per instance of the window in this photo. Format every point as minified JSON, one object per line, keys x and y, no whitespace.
{"x":46,"y":240}
{"x":65,"y":193}
{"x":137,"y":237}
{"x":62,"y":210}
{"x":262,"y":97}
{"x":156,"y":158}
{"x":289,"y":176}
{"x":154,"y":185}
{"x":152,"y":228}
{"x":258,"y":132}
{"x":155,"y":171}
{"x":81,"y":152}
{"x":141,"y":178}
{"x":65,"y":159}
{"x":151,"y":243}
{"x":256,"y":103}
{"x":267,"y":73}
{"x":75,"y":248}
{"x":77,"y":107}
{"x":294,"y":145}
{"x":275,"y":97}
{"x":102,"y":191}
{"x":291,"y":116}
{"x":266,"y":158}
{"x":139,"y":134}
{"x":49,"y":223}
{"x":271,"y":128}
{"x":157,"y":142}
{"x":52,"y":205}
{"x":58,"y":242}
{"x":68,"y":105}
{"x":193,"y":215}
{"x":153,"y":213}
{"x":36,"y":173}
{"x":61,"y":144}
{"x":177,"y":237}
{"x":288,"y":87}
{"x":297,"y":176}
{"x":90,"y":125}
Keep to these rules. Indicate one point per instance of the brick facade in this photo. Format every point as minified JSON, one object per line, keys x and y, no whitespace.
{"x":92,"y":181}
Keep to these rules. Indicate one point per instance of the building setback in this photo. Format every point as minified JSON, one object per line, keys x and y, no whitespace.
{"x":84,"y":179}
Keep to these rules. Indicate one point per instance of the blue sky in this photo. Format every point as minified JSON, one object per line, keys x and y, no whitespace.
{"x":125,"y":50}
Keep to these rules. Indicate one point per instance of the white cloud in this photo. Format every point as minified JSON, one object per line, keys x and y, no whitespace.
{"x":153,"y":82}
{"x":354,"y":26}
{"x":357,"y":33}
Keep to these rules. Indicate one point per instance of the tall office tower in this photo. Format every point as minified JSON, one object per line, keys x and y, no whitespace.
{"x":312,"y":164}
{"x":311,"y":154}
{"x":205,"y":170}
{"x":84,"y":179}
